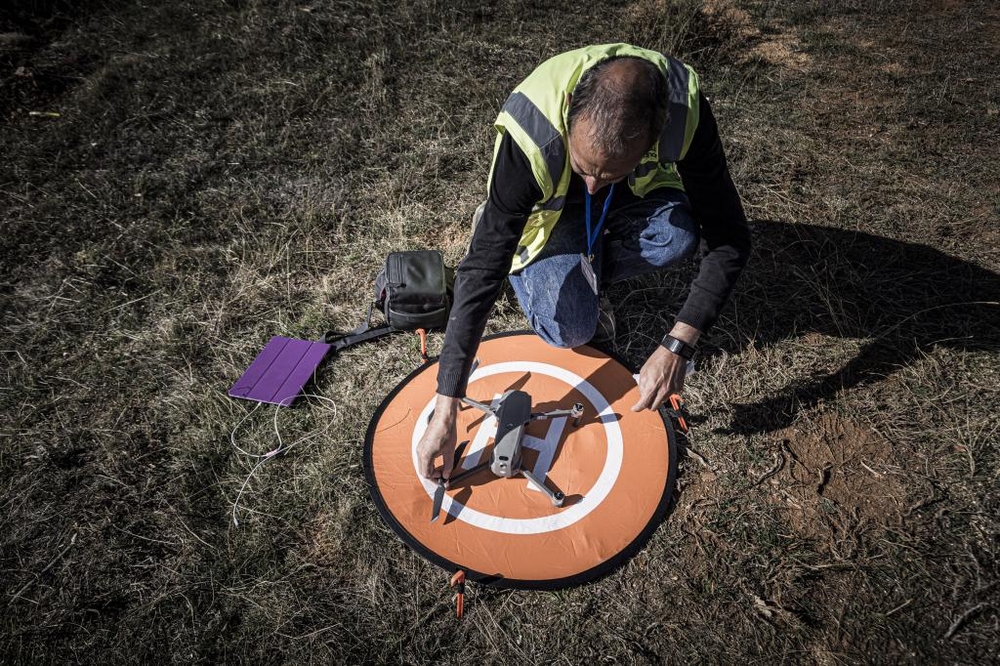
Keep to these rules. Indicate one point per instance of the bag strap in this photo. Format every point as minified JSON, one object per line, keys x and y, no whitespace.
{"x":361,"y":333}
{"x":341,"y":341}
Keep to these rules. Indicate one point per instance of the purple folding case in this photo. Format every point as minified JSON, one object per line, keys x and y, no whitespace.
{"x":280,"y":371}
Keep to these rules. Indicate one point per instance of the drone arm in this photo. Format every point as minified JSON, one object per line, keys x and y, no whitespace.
{"x":458,"y":478}
{"x":478,"y":405}
{"x":555,"y":496}
{"x":576,"y":412}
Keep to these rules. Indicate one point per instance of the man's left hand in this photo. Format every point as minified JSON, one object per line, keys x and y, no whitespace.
{"x":661,"y":375}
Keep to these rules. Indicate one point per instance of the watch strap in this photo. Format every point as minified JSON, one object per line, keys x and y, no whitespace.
{"x":677,"y":346}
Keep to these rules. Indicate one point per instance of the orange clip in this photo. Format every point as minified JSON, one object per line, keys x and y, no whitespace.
{"x":458,"y":580}
{"x":423,"y":343}
{"x":679,"y":411}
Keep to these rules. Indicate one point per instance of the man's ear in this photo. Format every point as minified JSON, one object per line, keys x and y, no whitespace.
{"x":569,"y":99}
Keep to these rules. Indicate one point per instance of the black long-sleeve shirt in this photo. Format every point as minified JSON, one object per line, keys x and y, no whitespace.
{"x":512,"y":194}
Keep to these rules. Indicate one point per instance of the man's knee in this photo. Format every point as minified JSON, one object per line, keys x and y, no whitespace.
{"x":686,"y":240}
{"x":671,"y":240}
{"x":559,"y":304}
{"x":564,"y":335}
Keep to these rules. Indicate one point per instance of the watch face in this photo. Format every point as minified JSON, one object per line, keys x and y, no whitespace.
{"x":679,"y":347}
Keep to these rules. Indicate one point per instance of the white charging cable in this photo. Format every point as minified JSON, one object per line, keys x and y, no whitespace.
{"x":262,"y":458}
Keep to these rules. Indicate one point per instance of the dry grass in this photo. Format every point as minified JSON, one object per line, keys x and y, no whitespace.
{"x":221,"y":172}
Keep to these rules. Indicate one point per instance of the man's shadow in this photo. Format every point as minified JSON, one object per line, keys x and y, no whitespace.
{"x":897,"y":298}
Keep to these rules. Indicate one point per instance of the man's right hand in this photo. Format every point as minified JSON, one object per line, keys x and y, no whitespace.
{"x":439,"y":439}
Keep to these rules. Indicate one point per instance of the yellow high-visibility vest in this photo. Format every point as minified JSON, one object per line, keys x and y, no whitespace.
{"x":535,"y":117}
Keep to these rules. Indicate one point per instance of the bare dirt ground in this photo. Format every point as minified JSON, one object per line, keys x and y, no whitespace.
{"x":180,"y":181}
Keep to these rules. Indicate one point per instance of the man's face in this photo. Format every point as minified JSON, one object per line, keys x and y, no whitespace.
{"x":596,"y":169}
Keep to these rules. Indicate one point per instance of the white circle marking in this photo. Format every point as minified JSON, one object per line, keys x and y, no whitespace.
{"x":565,"y":518}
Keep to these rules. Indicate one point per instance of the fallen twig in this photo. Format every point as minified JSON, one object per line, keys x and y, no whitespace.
{"x":963,"y":618}
{"x":877,"y":475}
{"x":697,"y":456}
{"x":778,"y":465}
{"x":899,"y":608}
{"x":132,"y":302}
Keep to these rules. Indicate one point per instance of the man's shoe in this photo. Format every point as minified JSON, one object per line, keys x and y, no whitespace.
{"x":605,"y":332}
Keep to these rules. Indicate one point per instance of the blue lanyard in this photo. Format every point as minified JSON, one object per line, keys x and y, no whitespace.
{"x":592,"y":237}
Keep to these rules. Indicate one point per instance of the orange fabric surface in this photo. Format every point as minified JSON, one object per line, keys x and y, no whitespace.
{"x":613,"y":468}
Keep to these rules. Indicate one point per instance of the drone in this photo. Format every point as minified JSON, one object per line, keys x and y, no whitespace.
{"x":512,"y":412}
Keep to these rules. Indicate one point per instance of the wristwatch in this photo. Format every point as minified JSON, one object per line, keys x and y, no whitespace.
{"x":679,"y":347}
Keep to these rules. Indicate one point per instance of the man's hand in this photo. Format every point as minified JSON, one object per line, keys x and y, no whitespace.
{"x":663,"y":373}
{"x":439,"y":439}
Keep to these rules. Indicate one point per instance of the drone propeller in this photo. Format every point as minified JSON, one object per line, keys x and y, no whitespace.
{"x":438,"y":499}
{"x":443,"y":483}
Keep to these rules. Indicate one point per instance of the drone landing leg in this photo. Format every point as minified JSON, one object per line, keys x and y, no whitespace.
{"x":556,"y":497}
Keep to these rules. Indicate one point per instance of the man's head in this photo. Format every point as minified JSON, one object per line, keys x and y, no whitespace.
{"x":616,"y":112}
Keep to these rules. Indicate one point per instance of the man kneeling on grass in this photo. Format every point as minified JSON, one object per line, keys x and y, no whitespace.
{"x":607,"y":165}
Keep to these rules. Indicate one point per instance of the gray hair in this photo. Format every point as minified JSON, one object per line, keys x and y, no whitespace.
{"x":621,"y":109}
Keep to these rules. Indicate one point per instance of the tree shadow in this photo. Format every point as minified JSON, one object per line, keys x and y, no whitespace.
{"x":899,"y":298}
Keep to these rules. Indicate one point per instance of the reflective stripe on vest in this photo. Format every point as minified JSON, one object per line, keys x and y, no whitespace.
{"x":672,"y":138}
{"x":542,"y":132}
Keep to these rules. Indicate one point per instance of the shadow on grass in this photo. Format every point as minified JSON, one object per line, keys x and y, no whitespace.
{"x":899,"y":298}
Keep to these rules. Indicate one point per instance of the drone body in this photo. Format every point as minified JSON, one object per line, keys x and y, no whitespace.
{"x":512,"y":412}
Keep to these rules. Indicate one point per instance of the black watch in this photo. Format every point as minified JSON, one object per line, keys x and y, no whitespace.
{"x":679,"y":347}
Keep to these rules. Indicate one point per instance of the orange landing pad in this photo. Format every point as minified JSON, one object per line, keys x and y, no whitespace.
{"x":616,"y":469}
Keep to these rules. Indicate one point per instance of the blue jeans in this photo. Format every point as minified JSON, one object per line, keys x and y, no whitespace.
{"x":641,"y":236}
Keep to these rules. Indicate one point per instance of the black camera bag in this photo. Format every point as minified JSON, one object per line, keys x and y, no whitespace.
{"x":413,"y":290}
